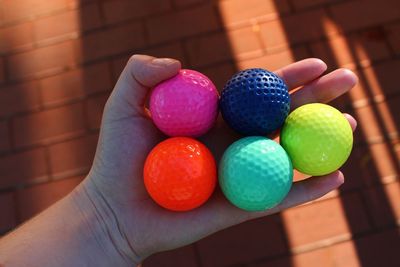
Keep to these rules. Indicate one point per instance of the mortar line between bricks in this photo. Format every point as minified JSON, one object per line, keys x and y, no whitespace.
{"x":19,"y":50}
{"x":323,"y":38}
{"x":377,"y":99}
{"x":329,"y":13}
{"x":204,"y":34}
{"x":44,"y":74}
{"x":393,"y":22}
{"x":11,"y":135}
{"x":152,"y":15}
{"x":284,"y":234}
{"x":5,"y":190}
{"x":148,"y":16}
{"x":185,"y":52}
{"x":79,"y":34}
{"x":299,"y":250}
{"x":247,"y":23}
{"x":328,"y":36}
{"x":71,"y":36}
{"x":342,"y":193}
{"x":231,"y":62}
{"x":55,"y":40}
{"x":102,"y":13}
{"x":41,"y":15}
{"x":38,"y":45}
{"x":46,"y":182}
{"x":40,"y":97}
{"x":173,"y":5}
{"x":219,"y":16}
{"x":219,"y":62}
{"x":6,"y":71}
{"x":85,"y":114}
{"x":8,"y":189}
{"x":269,"y":258}
{"x":290,"y":48}
{"x":146,"y":36}
{"x":43,"y":144}
{"x":29,"y":184}
{"x":364,"y":204}
{"x":66,"y":103}
{"x":378,"y":116}
{"x":185,"y":38}
{"x":352,"y":238}
{"x":356,"y":190}
{"x":114,"y":75}
{"x":347,"y":192}
{"x":256,"y":30}
{"x":32,"y":78}
{"x":189,"y":6}
{"x":77,"y":65}
{"x":308,"y":50}
{"x":364,"y":28}
{"x":47,"y":159}
{"x":16,"y":208}
{"x":292,"y":9}
{"x":314,"y":7}
{"x":224,"y":61}
{"x":25,"y":184}
{"x":145,"y":30}
{"x":197,"y":255}
{"x":388,"y":44}
{"x":84,"y":171}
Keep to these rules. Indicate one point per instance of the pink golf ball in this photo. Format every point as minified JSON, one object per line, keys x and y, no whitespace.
{"x":184,"y":105}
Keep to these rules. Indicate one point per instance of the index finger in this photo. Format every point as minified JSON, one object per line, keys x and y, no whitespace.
{"x":301,"y":72}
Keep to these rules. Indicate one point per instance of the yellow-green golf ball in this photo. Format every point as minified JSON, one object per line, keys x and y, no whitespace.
{"x":318,"y":139}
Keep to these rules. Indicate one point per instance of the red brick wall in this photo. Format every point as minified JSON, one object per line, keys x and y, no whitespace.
{"x":59,"y":60}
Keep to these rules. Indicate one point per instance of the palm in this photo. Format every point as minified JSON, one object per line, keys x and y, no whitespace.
{"x":127,"y":136}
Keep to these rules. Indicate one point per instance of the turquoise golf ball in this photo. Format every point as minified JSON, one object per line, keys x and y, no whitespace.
{"x":255,"y":173}
{"x":318,"y":139}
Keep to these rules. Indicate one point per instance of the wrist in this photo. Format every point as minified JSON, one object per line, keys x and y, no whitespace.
{"x":100,"y":223}
{"x":75,"y":233}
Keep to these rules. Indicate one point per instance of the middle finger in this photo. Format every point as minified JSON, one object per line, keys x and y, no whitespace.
{"x":325,"y":88}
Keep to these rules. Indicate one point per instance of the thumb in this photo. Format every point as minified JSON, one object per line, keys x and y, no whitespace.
{"x":139,"y":75}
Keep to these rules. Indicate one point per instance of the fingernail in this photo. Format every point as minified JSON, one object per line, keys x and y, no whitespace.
{"x":341,"y":178}
{"x":163,"y":61}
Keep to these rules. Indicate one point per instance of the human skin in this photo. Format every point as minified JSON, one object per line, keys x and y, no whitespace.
{"x":110,"y":220}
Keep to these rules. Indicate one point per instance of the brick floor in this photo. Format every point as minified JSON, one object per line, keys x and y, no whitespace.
{"x":253,"y":240}
{"x":59,"y":60}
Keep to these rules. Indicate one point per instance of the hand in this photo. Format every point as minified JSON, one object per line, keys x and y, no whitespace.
{"x":137,"y":226}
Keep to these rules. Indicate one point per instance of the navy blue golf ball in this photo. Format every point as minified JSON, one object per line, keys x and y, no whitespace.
{"x":255,"y":102}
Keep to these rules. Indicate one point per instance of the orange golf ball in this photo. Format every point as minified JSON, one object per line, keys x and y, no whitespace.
{"x":180,"y":174}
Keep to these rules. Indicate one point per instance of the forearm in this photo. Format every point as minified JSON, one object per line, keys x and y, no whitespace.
{"x":69,"y":233}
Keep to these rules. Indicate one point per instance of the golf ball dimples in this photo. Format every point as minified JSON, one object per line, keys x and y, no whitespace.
{"x":318,"y":139}
{"x":180,"y":174}
{"x":255,"y":173}
{"x":185,"y":105}
{"x":255,"y":102}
